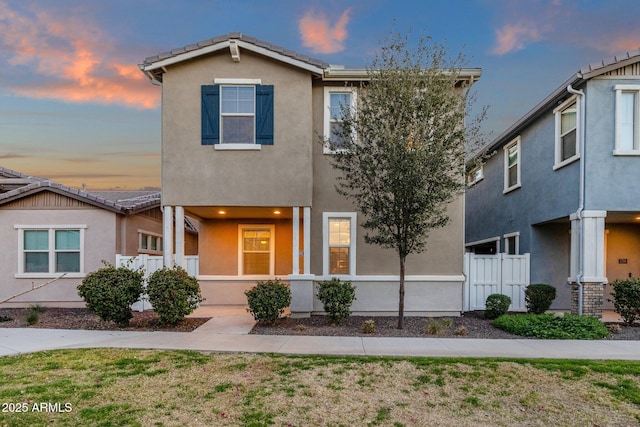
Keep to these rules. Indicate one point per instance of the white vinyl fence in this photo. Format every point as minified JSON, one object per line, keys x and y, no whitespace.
{"x":495,"y":274}
{"x":149,"y":264}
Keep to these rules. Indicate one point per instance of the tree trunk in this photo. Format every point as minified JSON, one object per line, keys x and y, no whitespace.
{"x":401,"y":296}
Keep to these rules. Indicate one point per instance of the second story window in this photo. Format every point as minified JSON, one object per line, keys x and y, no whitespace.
{"x":512,"y":165}
{"x":566,"y":133}
{"x":336,"y":102}
{"x":627,"y":120}
{"x":237,"y":112}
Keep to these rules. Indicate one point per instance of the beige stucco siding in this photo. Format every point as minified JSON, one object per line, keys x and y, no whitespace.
{"x":195,"y":174}
{"x":219,"y":243}
{"x":99,"y":244}
{"x":444,"y":254}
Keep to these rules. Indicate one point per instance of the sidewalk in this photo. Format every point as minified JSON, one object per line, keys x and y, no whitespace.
{"x":229,"y":327}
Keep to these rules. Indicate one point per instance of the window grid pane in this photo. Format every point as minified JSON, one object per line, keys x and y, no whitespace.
{"x":68,"y":262}
{"x":36,"y":240}
{"x":36,"y":262}
{"x":627,"y":113}
{"x":338,"y":260}
{"x":67,"y":239}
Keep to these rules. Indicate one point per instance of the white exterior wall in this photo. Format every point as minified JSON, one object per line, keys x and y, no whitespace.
{"x":99,"y":244}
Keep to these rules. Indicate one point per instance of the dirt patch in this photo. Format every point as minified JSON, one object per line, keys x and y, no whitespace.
{"x":81,"y":318}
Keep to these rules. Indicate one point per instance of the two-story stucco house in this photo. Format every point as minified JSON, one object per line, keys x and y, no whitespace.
{"x":242,"y":122}
{"x":563,"y":184}
{"x":53,"y":236}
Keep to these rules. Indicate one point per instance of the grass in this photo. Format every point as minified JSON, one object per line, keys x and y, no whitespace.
{"x":108,"y":387}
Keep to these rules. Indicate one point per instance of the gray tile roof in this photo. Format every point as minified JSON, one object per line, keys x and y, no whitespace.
{"x":235,"y":36}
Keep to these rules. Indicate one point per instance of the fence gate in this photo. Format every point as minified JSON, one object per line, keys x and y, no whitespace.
{"x":495,"y":274}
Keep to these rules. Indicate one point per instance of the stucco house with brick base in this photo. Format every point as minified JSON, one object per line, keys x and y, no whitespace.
{"x":241,"y":153}
{"x":563,"y":184}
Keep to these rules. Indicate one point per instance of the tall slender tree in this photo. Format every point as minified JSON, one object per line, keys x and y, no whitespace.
{"x":401,"y":152}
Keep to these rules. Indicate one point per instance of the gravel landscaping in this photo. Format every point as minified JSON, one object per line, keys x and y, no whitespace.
{"x":469,"y":325}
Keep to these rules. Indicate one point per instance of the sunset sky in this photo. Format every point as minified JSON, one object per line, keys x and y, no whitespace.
{"x":75,"y":108}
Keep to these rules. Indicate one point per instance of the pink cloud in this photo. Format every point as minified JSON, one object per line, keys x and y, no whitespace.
{"x":318,"y":34}
{"x":70,"y":59}
{"x":514,"y":37}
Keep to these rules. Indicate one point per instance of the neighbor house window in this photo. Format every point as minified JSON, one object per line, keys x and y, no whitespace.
{"x":512,"y":243}
{"x":339,"y":243}
{"x":337,"y":103}
{"x":47,"y":250}
{"x":476,"y":174}
{"x":566,"y":145}
{"x":627,"y":120}
{"x":512,"y":165}
{"x":237,"y":114}
{"x":256,"y":254}
{"x":149,"y":243}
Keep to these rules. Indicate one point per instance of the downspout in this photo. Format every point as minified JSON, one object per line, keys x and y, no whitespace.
{"x":581,"y":142}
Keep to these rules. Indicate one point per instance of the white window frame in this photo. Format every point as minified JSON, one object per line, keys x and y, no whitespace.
{"x":272,"y":246}
{"x":231,"y":146}
{"x":21,"y":228}
{"x":352,"y":217}
{"x":475,"y":175}
{"x":516,"y":237}
{"x":327,"y":111}
{"x":559,"y":163}
{"x":518,"y":184}
{"x":142,"y":234}
{"x":635,"y":90}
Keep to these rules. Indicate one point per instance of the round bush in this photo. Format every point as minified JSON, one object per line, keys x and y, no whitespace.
{"x":496,"y":305}
{"x":626,"y":299}
{"x":173,"y":294}
{"x":538,"y":297}
{"x":267,"y":300}
{"x":337,"y":297}
{"x":110,"y":291}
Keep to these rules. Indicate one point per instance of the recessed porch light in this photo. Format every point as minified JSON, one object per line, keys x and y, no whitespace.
{"x":221,"y":212}
{"x":277,"y":212}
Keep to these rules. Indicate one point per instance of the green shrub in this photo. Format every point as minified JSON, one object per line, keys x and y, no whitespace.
{"x":337,"y":297}
{"x":110,"y":291}
{"x":173,"y":294}
{"x":548,"y":326}
{"x":33,"y":314}
{"x":538,"y":297}
{"x":268,"y":299}
{"x":496,"y":305}
{"x":626,"y":299}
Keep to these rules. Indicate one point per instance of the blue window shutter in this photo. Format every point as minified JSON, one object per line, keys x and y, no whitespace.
{"x":210,"y":114}
{"x":264,"y":114}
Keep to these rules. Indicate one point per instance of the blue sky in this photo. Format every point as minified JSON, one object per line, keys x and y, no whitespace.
{"x":75,"y":108}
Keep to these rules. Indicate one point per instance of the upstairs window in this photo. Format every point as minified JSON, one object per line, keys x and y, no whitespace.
{"x":512,"y":165}
{"x":237,"y":114}
{"x":335,"y":102}
{"x":566,"y":133}
{"x":512,"y":243}
{"x":627,"y":120}
{"x":475,"y":175}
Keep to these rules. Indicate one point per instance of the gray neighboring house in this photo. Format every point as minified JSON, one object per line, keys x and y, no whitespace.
{"x":563,"y":184}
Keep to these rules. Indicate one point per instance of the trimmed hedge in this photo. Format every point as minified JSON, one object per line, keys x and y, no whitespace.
{"x":539,"y":297}
{"x":110,"y":291}
{"x":336,"y":297}
{"x":173,"y":294}
{"x":496,"y":305}
{"x":267,"y":300}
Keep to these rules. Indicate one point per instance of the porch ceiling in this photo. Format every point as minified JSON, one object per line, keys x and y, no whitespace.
{"x":623,"y":217}
{"x":216,"y":212}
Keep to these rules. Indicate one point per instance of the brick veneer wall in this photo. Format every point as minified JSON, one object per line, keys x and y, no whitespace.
{"x":592,"y":299}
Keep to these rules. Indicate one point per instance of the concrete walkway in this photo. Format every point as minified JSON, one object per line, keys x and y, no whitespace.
{"x":228,"y":330}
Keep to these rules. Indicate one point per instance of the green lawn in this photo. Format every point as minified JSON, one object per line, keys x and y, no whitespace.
{"x":110,"y":387}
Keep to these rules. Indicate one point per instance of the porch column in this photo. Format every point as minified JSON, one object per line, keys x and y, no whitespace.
{"x":587,"y":263}
{"x":296,"y":240}
{"x":167,"y":235}
{"x":307,"y":240}
{"x":180,"y":236}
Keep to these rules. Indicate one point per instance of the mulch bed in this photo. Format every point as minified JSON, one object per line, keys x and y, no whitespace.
{"x":469,"y":325}
{"x":81,"y":318}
